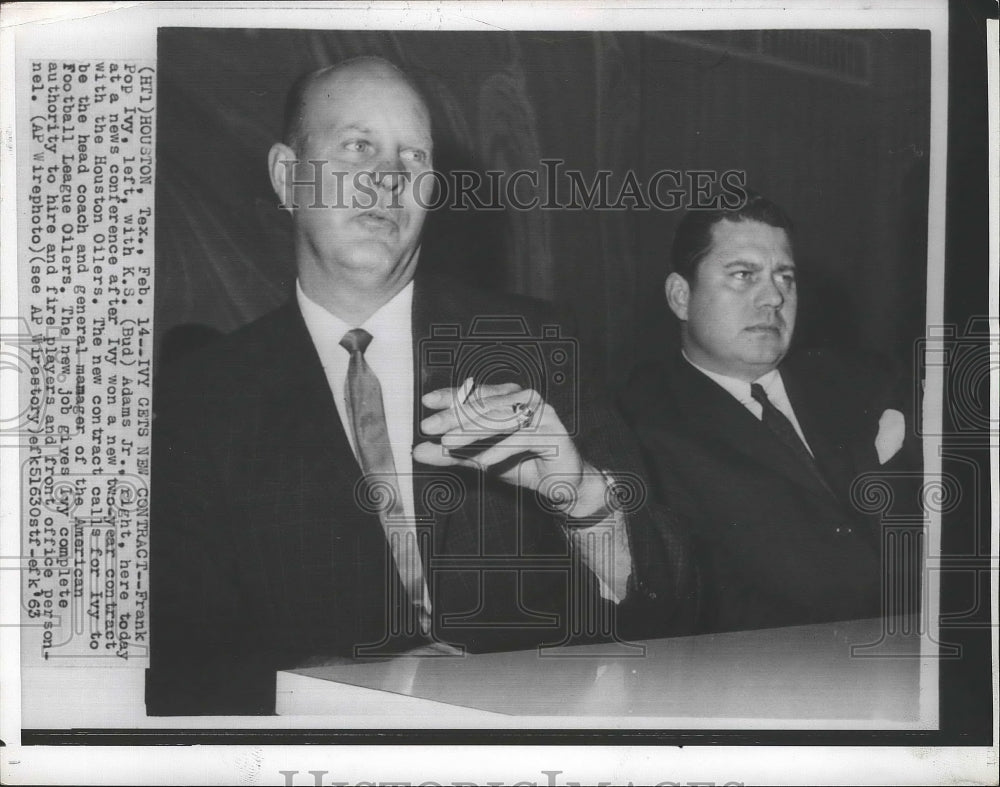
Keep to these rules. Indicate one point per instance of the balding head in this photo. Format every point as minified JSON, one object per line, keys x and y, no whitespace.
{"x":326,"y":80}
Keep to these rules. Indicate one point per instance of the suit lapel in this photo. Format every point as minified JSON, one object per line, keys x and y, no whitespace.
{"x":713,"y":410}
{"x":435,"y":314}
{"x":439,"y":322}
{"x":301,"y":401}
{"x":464,"y":517}
{"x":825,"y":425}
{"x":306,"y":445}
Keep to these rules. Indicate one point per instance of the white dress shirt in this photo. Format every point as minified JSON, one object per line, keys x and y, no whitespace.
{"x":390,"y":357}
{"x":773,"y":387}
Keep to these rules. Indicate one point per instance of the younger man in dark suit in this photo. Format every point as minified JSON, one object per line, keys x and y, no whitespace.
{"x":755,"y":449}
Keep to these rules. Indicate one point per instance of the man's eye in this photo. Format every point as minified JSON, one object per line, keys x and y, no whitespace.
{"x":357,"y":145}
{"x":416,"y":156}
{"x":742,"y":275}
{"x":788,"y":279}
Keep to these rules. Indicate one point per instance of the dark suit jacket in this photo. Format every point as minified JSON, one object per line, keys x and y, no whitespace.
{"x":776,"y":547}
{"x":264,"y":553}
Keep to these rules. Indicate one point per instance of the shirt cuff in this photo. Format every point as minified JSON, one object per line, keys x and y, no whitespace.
{"x":604,"y":549}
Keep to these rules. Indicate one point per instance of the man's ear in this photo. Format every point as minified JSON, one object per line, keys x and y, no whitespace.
{"x":678,"y":291}
{"x":281,"y":167}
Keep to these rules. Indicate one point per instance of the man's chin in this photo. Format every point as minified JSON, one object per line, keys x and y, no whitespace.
{"x":765,"y":355}
{"x":765,"y":362}
{"x":374,"y":261}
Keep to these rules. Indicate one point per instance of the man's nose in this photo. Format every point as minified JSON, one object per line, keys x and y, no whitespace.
{"x":769,"y":294}
{"x":390,"y":174}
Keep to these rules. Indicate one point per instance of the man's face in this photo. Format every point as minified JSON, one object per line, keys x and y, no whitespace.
{"x":362,"y":122}
{"x":739,"y":312}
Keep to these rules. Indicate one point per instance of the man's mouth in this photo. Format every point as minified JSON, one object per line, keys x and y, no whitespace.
{"x":377,"y":220}
{"x":767,"y":327}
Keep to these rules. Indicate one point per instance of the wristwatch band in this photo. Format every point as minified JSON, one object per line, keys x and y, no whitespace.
{"x":602,"y":513}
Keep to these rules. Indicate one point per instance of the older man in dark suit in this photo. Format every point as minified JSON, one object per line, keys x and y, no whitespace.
{"x":390,"y":463}
{"x":756,"y":448}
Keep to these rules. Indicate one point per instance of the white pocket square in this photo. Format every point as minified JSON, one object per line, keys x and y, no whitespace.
{"x":891,"y":431}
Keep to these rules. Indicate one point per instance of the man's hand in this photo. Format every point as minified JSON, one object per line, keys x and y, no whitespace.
{"x":508,"y":425}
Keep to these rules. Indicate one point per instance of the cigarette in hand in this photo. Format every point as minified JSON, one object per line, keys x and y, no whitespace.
{"x":465,"y":392}
{"x":475,"y":448}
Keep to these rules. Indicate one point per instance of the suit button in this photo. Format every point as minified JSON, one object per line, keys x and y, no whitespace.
{"x":838,"y":529}
{"x":652,"y":596}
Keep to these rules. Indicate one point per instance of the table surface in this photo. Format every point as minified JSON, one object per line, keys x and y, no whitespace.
{"x":835,"y":675}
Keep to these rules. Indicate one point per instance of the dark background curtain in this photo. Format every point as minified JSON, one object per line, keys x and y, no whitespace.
{"x":833,"y":125}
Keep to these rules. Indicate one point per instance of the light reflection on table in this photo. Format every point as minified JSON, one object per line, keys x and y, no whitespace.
{"x":802,"y":676}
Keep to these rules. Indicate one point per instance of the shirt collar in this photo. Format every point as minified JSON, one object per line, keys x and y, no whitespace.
{"x":390,"y":323}
{"x":740,"y":389}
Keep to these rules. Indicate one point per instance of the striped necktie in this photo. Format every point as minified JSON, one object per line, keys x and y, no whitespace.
{"x":366,"y":413}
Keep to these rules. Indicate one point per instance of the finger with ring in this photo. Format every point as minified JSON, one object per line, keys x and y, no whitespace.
{"x":524,"y":414}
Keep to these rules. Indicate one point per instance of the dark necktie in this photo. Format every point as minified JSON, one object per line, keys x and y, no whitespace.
{"x":366,"y":413}
{"x":782,"y":428}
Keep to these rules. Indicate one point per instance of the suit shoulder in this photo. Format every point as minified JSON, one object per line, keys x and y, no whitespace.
{"x":650,"y":374}
{"x":863,"y":368}
{"x":232,"y":362}
{"x":647,"y":391}
{"x":489,"y":311}
{"x":484,"y":299}
{"x":865,"y":381}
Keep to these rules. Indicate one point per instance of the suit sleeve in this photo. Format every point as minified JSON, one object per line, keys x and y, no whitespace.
{"x":664,"y":588}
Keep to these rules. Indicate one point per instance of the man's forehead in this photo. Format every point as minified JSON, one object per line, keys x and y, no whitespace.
{"x":749,"y":234}
{"x":359,"y":85}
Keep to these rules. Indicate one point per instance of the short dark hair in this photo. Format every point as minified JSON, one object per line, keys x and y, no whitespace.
{"x":693,"y":238}
{"x":291,"y":132}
